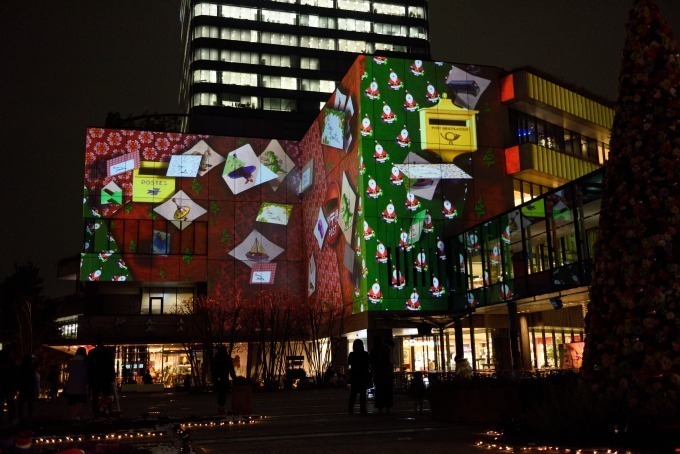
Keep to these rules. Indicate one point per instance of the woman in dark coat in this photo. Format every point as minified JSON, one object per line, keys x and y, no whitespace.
{"x":222,"y":368}
{"x":383,"y":374}
{"x":359,"y":375}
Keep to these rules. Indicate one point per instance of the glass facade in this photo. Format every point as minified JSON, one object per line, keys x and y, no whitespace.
{"x":525,"y":128}
{"x":542,"y":246}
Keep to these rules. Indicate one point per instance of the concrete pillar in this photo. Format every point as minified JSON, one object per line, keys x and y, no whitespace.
{"x":458,"y":336}
{"x":525,"y":347}
{"x":513,"y":322}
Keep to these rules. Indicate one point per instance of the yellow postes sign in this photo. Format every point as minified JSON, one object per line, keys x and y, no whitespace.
{"x":149,"y":183}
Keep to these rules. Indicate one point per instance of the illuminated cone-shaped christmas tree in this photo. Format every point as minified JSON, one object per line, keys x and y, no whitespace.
{"x":633,"y":322}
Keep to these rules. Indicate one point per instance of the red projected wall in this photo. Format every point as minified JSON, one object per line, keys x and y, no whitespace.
{"x":176,"y":208}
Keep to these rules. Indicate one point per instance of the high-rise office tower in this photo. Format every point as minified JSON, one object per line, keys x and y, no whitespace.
{"x":263,"y":68}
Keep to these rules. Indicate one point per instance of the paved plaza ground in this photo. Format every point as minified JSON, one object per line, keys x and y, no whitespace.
{"x":301,"y":421}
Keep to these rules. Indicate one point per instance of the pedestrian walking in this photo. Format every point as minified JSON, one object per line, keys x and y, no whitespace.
{"x":28,"y":382}
{"x":359,"y":375}
{"x":383,"y":374}
{"x":101,"y":375}
{"x":222,"y":368}
{"x":416,"y":391}
{"x":75,"y":389}
{"x":53,"y":382}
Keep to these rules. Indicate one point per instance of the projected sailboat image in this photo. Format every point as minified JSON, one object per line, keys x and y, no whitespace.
{"x":257,"y":252}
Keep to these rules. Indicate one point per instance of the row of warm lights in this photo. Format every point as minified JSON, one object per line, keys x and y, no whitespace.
{"x":138,"y":435}
{"x":98,"y":437}
{"x":250,"y":420}
{"x":555,"y":449}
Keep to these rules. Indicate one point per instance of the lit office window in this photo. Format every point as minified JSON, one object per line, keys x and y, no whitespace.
{"x":205,"y":76}
{"x":205,"y":9}
{"x":236,"y":78}
{"x":417,"y":32}
{"x":281,"y":61}
{"x":350,"y":45}
{"x":238,"y":12}
{"x":279,"y":17}
{"x":390,"y":47}
{"x":392,"y":10}
{"x":283,"y":39}
{"x":390,"y":29}
{"x":354,"y":25}
{"x":311,"y":20}
{"x":205,"y":31}
{"x":354,"y":5}
{"x":235,"y":34}
{"x":309,"y":63}
{"x":235,"y":56}
{"x":285,"y":1}
{"x":322,"y":86}
{"x":285,"y":83}
{"x":416,"y":11}
{"x":314,"y":42}
{"x":286,"y":105}
{"x":203,"y":53}
{"x":239,"y":101}
{"x":326,"y":86}
{"x":321,"y":3}
{"x":205,"y":99}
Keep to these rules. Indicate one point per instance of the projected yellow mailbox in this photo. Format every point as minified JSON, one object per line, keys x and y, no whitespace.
{"x":149,"y":183}
{"x":448,"y":130}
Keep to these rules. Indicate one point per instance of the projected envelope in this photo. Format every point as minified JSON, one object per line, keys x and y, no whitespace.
{"x":256,"y":248}
{"x":122,"y":164}
{"x":274,"y":213}
{"x":420,"y":187}
{"x":111,"y":193}
{"x":433,"y":171}
{"x":263,"y":273}
{"x":209,"y":157}
{"x":242,"y":170}
{"x":180,"y":210}
{"x":183,"y":166}
{"x":275,"y":159}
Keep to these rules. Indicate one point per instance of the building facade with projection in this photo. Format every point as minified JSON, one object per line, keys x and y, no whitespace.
{"x":263,"y":69}
{"x":427,"y":198}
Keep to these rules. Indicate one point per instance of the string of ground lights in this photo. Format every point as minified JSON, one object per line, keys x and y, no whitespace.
{"x":141,"y":435}
{"x":496,"y":445}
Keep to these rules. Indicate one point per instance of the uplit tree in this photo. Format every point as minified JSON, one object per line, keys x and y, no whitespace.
{"x":272,"y":333}
{"x":633,"y":326}
{"x":324,"y":322}
{"x":212,"y":322}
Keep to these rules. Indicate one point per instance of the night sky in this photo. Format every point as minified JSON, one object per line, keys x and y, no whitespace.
{"x":66,"y":64}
